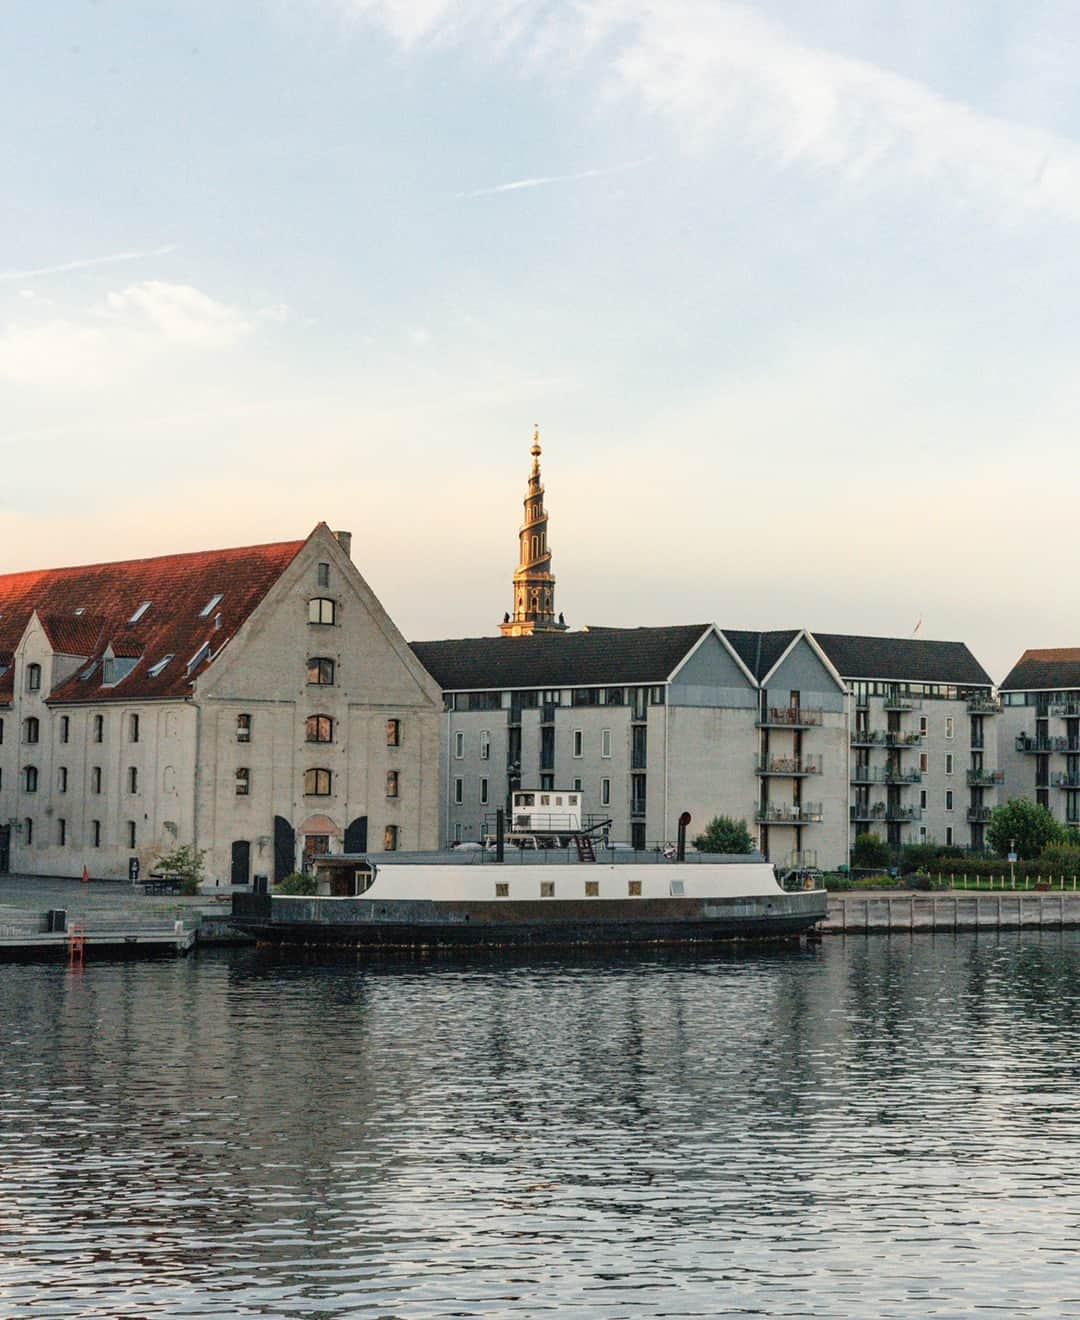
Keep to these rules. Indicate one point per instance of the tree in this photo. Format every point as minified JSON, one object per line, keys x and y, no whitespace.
{"x":870,"y":852}
{"x":1022,"y":823}
{"x":187,"y":863}
{"x":724,"y":834}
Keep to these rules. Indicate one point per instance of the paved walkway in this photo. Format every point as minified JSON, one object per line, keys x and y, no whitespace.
{"x":39,"y":893}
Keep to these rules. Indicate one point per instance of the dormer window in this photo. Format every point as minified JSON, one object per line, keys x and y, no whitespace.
{"x":211,"y":605}
{"x":139,"y":612}
{"x":116,"y":667}
{"x":33,"y":678}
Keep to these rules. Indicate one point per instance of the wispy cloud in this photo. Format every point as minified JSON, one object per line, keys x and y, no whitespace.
{"x":723,"y":73}
{"x":543,"y":180}
{"x":85,"y":263}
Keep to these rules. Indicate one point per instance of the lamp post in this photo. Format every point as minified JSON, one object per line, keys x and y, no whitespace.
{"x":1012,"y":863}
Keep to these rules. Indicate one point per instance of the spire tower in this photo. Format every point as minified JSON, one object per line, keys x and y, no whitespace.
{"x":534,"y":585}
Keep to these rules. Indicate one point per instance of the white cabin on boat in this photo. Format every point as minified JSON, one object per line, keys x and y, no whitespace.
{"x":552,"y":811}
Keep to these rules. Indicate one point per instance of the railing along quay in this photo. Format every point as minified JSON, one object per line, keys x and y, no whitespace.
{"x":1004,"y":910}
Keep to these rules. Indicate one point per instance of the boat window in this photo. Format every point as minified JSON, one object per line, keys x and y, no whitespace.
{"x":558,"y":800}
{"x":547,"y":888}
{"x":676,"y":888}
{"x":364,"y":878}
{"x":527,"y":799}
{"x":502,"y":890}
{"x":545,"y":799}
{"x":592,"y":888}
{"x":633,"y":888}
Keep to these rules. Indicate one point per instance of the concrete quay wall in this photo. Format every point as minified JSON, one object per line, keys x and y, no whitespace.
{"x":858,"y":913}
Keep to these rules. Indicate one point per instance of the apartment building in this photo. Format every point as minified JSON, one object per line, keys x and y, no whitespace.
{"x":1040,"y":730}
{"x":257,"y":703}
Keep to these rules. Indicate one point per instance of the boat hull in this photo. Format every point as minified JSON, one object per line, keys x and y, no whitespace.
{"x":417,"y":923}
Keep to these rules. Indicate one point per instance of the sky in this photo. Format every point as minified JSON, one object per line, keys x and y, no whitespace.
{"x":788,"y":286}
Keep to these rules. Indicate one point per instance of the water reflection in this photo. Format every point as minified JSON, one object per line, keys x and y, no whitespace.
{"x":871,"y":1127}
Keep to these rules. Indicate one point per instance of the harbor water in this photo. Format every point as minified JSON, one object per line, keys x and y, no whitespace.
{"x":876,"y":1126}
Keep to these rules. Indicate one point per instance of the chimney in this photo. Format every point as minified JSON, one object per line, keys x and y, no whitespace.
{"x":344,"y":539}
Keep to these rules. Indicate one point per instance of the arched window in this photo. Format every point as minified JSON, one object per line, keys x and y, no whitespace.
{"x":321,"y":609}
{"x":319,"y":729}
{"x":317,"y":783}
{"x":30,"y":777}
{"x":31,"y":729}
{"x":320,"y":670}
{"x":33,"y":678}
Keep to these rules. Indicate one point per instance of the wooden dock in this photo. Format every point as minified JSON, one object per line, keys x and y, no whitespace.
{"x":25,"y":934}
{"x":854,"y":914}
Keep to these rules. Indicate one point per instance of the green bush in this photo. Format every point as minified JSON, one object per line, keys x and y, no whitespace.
{"x":185,"y":862}
{"x":297,"y":884}
{"x":723,"y":834}
{"x":1022,"y":823}
{"x":870,"y":852}
{"x":1061,"y":859}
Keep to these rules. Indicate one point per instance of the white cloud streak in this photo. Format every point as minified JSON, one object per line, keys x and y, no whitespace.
{"x":543,"y":180}
{"x":86,"y":263}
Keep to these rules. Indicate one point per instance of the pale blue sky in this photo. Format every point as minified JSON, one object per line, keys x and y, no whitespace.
{"x":789,"y":287}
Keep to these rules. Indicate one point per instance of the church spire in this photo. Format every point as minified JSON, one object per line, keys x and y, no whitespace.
{"x":534,"y":585}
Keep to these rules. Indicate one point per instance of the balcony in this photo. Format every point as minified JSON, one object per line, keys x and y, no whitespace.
{"x":897,"y":701}
{"x":864,"y":774}
{"x":982,"y":703}
{"x":1065,"y":780}
{"x":886,"y":811}
{"x":1067,"y":709}
{"x":979,"y":815}
{"x":790,"y":717}
{"x":793,"y":767}
{"x":799,"y":813}
{"x":881,"y":738}
{"x":985,"y":778}
{"x":1041,"y":746}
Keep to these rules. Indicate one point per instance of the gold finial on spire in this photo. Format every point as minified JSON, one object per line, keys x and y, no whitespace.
{"x":536,"y":440}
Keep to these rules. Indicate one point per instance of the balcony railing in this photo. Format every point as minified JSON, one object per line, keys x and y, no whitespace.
{"x":801,"y":813}
{"x":1065,"y":780}
{"x":983,"y":704}
{"x":1069,"y":708}
{"x":882,"y":738}
{"x":985,"y":778}
{"x":978,"y":815}
{"x":897,"y":701}
{"x":1026,"y":743}
{"x":885,"y":811}
{"x":790,"y":717}
{"x":792,"y":766}
{"x":865,"y":774}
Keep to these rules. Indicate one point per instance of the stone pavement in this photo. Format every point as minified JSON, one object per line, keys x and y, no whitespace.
{"x":39,"y":893}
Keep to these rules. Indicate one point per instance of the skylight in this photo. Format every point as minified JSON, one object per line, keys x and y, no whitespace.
{"x":88,"y":671}
{"x":199,"y":656}
{"x":210,"y":604}
{"x":139,"y":612}
{"x":156,"y":669}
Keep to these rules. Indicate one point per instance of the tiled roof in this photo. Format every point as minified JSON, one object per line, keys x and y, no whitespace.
{"x":1053,"y":668}
{"x":759,"y":651}
{"x":85,"y":610}
{"x":907,"y":659}
{"x":590,"y":658}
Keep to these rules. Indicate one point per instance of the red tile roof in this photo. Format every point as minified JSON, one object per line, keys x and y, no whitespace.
{"x":85,"y":610}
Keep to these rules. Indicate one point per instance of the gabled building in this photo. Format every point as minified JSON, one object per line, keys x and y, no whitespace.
{"x":257,"y":703}
{"x":1040,"y":730}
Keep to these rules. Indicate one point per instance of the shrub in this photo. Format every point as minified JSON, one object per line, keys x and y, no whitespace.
{"x":296,"y":884}
{"x":1061,"y":859}
{"x":185,"y":862}
{"x":869,"y":852}
{"x":723,"y":834}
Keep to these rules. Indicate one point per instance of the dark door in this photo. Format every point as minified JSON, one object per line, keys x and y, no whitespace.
{"x":5,"y":849}
{"x":241,"y":862}
{"x":356,"y":835}
{"x":284,"y":849}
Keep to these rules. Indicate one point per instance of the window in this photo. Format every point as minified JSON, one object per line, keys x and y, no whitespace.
{"x":61,"y":831}
{"x":320,"y":670}
{"x":923,"y":725}
{"x":95,"y":833}
{"x":28,"y":830}
{"x":485,"y":745}
{"x":924,"y":762}
{"x":133,"y":778}
{"x":159,"y":665}
{"x":459,"y":832}
{"x":948,"y":799}
{"x":31,"y":729}
{"x":139,"y":612}
{"x":483,"y":792}
{"x":321,"y":609}
{"x":99,"y":728}
{"x":577,"y":785}
{"x":243,"y":781}
{"x":922,"y":798}
{"x":30,"y":778}
{"x":243,"y":728}
{"x":319,"y":729}
{"x":65,"y":729}
{"x":1,"y":731}
{"x":393,"y":733}
{"x":200,"y":655}
{"x":131,"y":834}
{"x":459,"y":790}
{"x":133,"y":728}
{"x":204,"y":613}
{"x":633,"y":888}
{"x":33,"y":678}
{"x":605,"y":792}
{"x":547,"y":888}
{"x":948,"y":835}
{"x":922,"y":833}
{"x":502,"y":889}
{"x":592,"y":888}
{"x":950,"y":726}
{"x":322,"y":575}
{"x":61,"y":779}
{"x":390,"y":839}
{"x":95,"y":779}
{"x":579,"y":743}
{"x":317,"y":783}
{"x":459,"y":744}
{"x":948,"y":763}
{"x":605,"y":744}
{"x":547,"y":781}
{"x":391,"y":783}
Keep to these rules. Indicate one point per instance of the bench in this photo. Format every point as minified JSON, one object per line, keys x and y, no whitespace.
{"x":162,"y":884}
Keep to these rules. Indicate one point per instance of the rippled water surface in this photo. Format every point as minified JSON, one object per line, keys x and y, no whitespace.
{"x":879,"y":1127}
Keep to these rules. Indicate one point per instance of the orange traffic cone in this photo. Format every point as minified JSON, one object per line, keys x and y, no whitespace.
{"x":85,"y":875}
